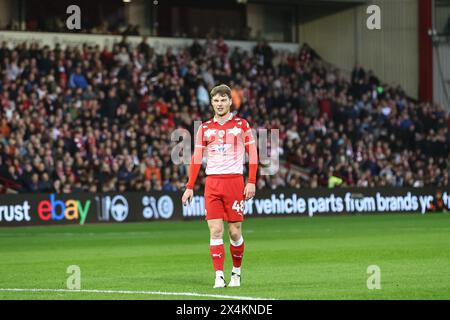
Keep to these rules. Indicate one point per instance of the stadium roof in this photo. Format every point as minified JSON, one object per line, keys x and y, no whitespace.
{"x":313,"y":2}
{"x":313,"y":9}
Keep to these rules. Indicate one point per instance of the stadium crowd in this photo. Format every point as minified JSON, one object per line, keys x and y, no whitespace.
{"x":99,"y":120}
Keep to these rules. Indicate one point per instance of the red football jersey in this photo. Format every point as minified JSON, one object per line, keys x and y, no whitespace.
{"x":224,"y":144}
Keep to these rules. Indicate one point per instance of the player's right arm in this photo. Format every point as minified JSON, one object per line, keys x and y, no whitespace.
{"x":194,"y":168}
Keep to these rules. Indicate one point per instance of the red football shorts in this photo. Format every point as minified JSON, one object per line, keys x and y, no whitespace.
{"x":224,"y":197}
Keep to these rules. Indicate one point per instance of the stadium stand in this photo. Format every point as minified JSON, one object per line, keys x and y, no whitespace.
{"x":99,"y":120}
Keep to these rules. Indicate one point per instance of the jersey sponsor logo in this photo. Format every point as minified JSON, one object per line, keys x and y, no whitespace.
{"x":221,"y":148}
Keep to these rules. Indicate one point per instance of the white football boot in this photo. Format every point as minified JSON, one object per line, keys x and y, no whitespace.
{"x":235,"y":280}
{"x":220,"y":282}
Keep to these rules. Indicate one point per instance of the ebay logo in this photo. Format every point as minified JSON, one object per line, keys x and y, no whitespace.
{"x":58,"y":210}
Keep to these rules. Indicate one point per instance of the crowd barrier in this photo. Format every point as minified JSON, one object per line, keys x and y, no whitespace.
{"x":159,"y":44}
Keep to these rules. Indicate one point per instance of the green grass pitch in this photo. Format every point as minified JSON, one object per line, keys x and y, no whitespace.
{"x":285,"y":258}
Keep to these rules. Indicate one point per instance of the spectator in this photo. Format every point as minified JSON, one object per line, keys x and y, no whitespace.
{"x":202,"y":96}
{"x":77,"y":79}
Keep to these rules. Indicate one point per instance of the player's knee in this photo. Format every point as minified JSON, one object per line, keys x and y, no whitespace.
{"x":235,"y":236}
{"x":216,"y":233}
{"x":235,"y":233}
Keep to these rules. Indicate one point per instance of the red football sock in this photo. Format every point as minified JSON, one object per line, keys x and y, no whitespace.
{"x":237,"y":252}
{"x":217,"y":253}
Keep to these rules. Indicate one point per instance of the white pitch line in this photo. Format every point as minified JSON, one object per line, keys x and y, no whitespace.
{"x":192,"y":294}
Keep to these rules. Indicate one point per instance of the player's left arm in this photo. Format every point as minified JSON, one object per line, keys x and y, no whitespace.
{"x":250,"y":148}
